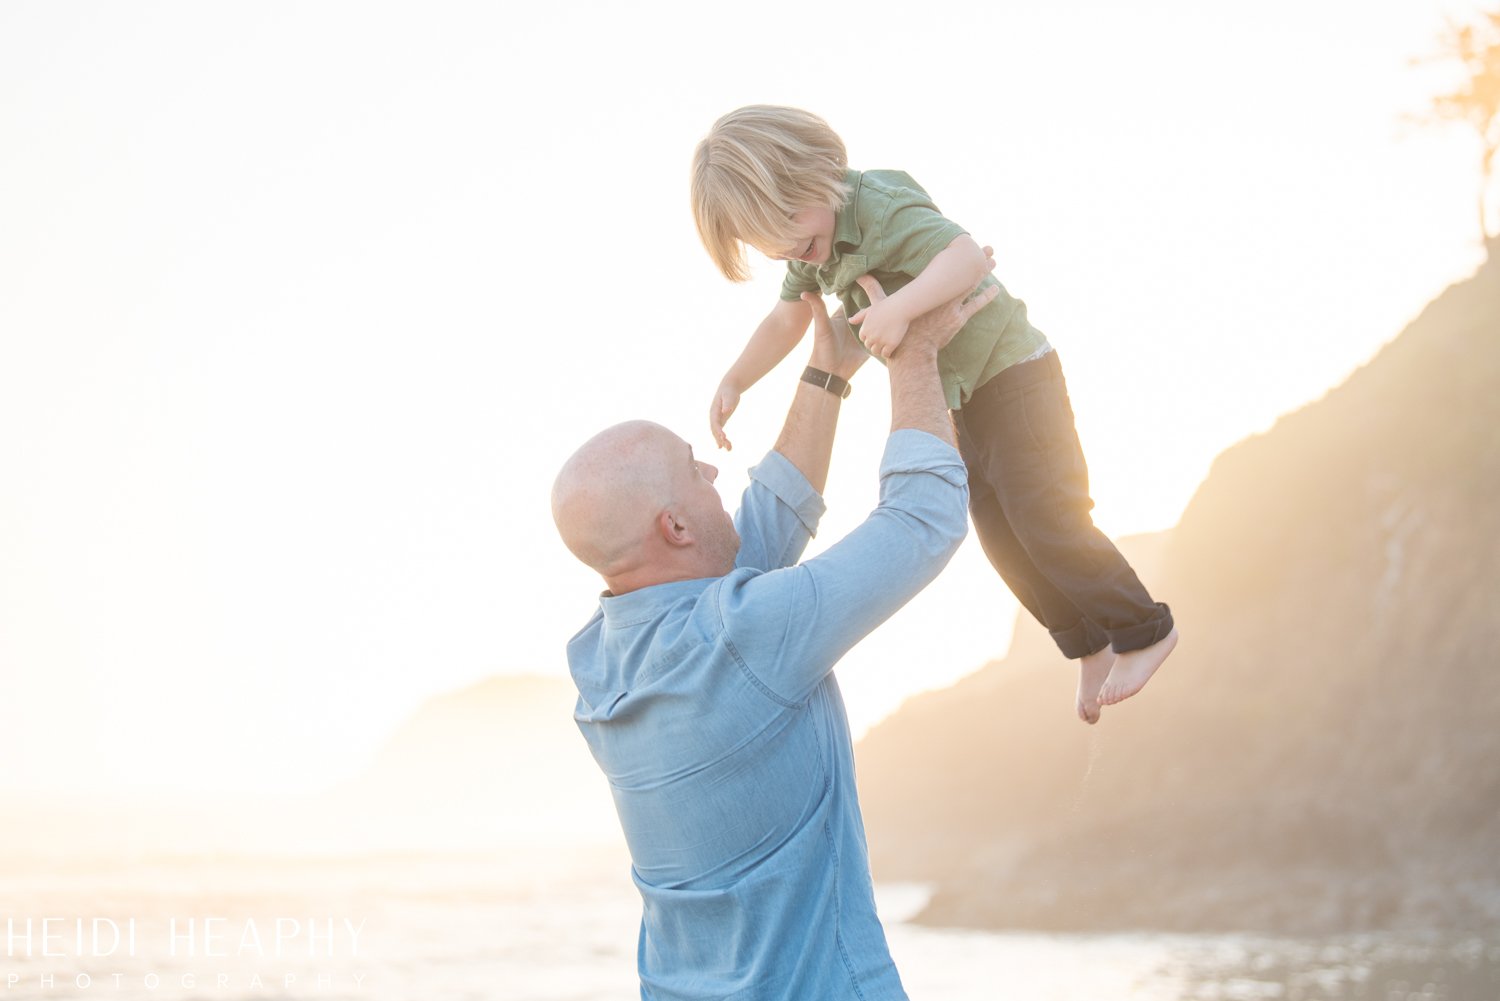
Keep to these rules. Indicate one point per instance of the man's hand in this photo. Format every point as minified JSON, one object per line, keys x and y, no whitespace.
{"x":936,"y":327}
{"x":835,"y":348}
{"x":726,"y":398}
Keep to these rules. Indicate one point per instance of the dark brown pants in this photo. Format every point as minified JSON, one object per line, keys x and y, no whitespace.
{"x":1029,"y":497}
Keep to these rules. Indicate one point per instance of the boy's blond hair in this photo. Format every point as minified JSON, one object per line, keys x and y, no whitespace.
{"x":757,"y":167}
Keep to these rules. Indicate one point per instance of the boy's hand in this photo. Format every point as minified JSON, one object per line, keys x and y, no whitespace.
{"x":881,"y":326}
{"x":937,"y":327}
{"x":726,"y":398}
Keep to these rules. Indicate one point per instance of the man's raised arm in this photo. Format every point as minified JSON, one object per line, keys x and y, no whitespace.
{"x":780,"y":510}
{"x":916,"y":394}
{"x":789,"y":627}
{"x":917,"y":400}
{"x":781,"y":507}
{"x":807,"y":436}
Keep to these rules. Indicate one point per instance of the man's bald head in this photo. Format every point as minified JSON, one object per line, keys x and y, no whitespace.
{"x":635,"y":505}
{"x":607,"y":496}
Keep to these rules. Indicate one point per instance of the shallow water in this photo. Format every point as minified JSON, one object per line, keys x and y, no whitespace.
{"x":563,"y":928}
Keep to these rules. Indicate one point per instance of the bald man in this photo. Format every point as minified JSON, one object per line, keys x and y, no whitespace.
{"x":705,"y":679}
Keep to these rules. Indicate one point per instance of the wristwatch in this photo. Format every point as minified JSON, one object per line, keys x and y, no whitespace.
{"x":827,"y":380}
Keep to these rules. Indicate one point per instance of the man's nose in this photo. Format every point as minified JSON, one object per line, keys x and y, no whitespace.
{"x":710,"y":473}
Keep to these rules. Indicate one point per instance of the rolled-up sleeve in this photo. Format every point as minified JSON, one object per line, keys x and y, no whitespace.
{"x":913,"y":232}
{"x":778,"y":514}
{"x":790,"y":626}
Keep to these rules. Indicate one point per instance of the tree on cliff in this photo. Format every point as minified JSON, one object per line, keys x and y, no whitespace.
{"x":1475,"y":102}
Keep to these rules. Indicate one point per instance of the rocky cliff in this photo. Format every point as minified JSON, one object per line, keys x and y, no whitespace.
{"x":1321,"y":753}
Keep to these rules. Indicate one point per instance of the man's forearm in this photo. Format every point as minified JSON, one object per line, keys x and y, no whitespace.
{"x":917,"y":402}
{"x":917,"y":393}
{"x":807,"y":436}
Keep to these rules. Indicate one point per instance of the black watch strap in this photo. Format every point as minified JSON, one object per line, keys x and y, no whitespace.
{"x":827,"y":380}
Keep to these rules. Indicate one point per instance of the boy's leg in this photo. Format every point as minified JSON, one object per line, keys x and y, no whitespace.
{"x":1076,"y":637}
{"x":1041,"y":484}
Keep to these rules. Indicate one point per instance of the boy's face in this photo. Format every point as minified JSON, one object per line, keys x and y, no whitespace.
{"x":811,"y":238}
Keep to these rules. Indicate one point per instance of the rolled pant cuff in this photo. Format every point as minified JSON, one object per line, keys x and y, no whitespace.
{"x":1144,"y":635}
{"x":1080,"y":639}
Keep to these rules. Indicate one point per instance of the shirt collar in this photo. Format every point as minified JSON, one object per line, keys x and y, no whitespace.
{"x":648,"y":603}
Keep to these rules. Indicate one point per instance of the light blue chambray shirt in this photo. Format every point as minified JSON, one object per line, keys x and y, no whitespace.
{"x":712,"y":709}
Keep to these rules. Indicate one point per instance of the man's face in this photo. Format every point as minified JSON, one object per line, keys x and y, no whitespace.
{"x":810,"y":238}
{"x":712,"y":524}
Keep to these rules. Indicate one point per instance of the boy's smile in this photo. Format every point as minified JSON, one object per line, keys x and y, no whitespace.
{"x":812,"y":238}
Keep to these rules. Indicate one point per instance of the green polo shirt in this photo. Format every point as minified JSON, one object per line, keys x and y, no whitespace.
{"x":888,"y":227}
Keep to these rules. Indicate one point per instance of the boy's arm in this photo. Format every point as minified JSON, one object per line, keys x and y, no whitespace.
{"x":955,"y":268}
{"x":772,"y":341}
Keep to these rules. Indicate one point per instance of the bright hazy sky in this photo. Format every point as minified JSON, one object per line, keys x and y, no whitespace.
{"x":302,"y":305}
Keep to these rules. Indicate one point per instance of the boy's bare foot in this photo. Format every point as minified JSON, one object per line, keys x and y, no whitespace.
{"x":1133,"y":669}
{"x":1092,"y":670}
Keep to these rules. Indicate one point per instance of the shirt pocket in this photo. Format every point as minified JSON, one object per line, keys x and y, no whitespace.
{"x":840,"y":278}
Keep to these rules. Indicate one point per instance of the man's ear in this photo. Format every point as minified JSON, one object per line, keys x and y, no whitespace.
{"x":673,"y":529}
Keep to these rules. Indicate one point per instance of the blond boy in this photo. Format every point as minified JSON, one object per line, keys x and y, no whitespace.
{"x":777,"y":179}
